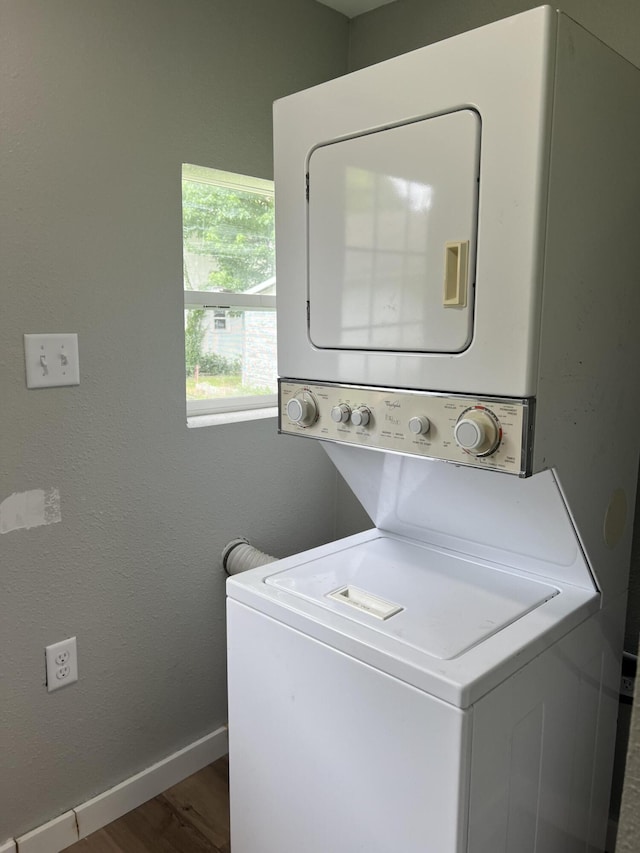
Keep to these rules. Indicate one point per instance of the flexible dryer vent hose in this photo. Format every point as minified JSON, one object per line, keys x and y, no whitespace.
{"x":238,"y":556}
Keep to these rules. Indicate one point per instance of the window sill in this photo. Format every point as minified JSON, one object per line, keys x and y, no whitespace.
{"x":197,"y":421}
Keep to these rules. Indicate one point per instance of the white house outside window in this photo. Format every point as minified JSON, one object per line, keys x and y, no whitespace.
{"x":229,"y":291}
{"x":220,"y":320}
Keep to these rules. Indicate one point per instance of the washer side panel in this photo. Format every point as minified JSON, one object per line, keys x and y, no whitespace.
{"x":541,"y":745}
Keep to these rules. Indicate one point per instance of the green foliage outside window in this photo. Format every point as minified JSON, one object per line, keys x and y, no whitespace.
{"x":234,"y":228}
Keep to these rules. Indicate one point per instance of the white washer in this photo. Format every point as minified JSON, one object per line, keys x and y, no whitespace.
{"x":388,"y":694}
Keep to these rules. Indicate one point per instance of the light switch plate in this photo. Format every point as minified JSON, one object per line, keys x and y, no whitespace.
{"x":51,"y":360}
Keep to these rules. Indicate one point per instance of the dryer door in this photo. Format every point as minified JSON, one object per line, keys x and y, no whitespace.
{"x":392,"y":237}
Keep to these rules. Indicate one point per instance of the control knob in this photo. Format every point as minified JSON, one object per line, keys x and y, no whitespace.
{"x":361,"y":416}
{"x":419,"y":425}
{"x":477,"y":431}
{"x":340,"y":413}
{"x":302,"y":409}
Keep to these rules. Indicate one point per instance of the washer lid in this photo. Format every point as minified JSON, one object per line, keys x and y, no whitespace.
{"x":435,"y":602}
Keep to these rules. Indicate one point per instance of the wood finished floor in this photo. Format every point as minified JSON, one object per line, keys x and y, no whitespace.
{"x":191,"y":817}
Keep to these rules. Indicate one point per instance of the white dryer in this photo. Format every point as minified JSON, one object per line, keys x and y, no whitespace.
{"x":457,"y":290}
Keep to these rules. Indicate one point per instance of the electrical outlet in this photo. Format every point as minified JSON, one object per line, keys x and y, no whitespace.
{"x":62,"y":664}
{"x":627,"y":686}
{"x":628,"y":678}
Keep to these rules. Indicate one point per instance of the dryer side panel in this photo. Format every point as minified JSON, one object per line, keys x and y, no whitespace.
{"x":588,"y":404}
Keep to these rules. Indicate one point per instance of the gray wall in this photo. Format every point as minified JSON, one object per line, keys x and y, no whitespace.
{"x":100,"y":103}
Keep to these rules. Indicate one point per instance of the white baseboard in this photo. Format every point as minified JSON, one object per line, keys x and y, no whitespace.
{"x":136,"y":790}
{"x":50,"y":837}
{"x":92,"y":815}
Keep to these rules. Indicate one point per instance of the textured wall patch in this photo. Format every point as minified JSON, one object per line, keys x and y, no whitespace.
{"x":23,"y":510}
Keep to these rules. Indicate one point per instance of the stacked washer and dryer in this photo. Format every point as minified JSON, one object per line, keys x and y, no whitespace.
{"x":458,"y":298}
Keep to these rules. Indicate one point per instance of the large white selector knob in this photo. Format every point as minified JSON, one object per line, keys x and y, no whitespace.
{"x":360,"y":416}
{"x":419,"y":425}
{"x":477,"y":432}
{"x":340,"y":414}
{"x":302,"y":410}
{"x":469,"y":434}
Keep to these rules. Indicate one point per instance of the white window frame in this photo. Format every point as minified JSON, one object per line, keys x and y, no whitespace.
{"x":229,"y":301}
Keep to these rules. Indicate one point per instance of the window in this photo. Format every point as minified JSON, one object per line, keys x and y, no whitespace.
{"x":229,"y":291}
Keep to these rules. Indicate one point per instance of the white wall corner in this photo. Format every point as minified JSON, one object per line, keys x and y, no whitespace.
{"x":50,"y":837}
{"x":128,"y":795}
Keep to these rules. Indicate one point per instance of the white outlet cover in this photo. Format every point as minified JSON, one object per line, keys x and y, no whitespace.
{"x":62,"y":664}
{"x":51,"y":360}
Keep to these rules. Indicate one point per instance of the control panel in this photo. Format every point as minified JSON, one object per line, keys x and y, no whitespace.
{"x":485,"y":432}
